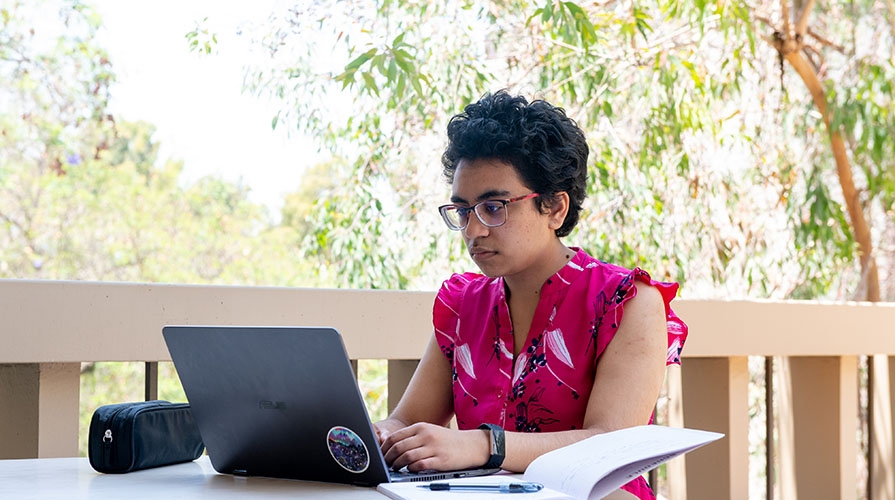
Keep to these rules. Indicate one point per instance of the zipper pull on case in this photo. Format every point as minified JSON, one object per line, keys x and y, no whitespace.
{"x":107,"y":445}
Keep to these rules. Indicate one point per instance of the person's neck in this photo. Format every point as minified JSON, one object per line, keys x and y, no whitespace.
{"x":529,"y":284}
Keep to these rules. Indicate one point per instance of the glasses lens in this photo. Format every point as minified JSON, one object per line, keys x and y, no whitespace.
{"x":455,"y":217}
{"x":491,"y":213}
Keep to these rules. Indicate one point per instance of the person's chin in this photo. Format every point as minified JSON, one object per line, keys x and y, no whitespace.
{"x":489,"y":269}
{"x":490,"y":274}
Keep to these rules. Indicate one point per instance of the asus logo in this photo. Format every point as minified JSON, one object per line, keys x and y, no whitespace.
{"x":272,"y":405}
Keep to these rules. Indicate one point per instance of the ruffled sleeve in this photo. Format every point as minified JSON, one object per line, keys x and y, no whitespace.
{"x":677,"y":329}
{"x":446,"y":311}
{"x":619,"y":289}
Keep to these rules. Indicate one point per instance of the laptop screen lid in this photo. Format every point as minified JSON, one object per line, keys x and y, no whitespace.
{"x":281,"y":402}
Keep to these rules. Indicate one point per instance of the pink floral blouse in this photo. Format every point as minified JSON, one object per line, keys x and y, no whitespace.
{"x":547,"y":388}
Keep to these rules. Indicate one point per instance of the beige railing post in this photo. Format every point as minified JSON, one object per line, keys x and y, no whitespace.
{"x":39,"y":410}
{"x":676,"y":468}
{"x":399,"y":373}
{"x":817,"y":401}
{"x":881,"y":460}
{"x":150,"y":382}
{"x":717,"y":391}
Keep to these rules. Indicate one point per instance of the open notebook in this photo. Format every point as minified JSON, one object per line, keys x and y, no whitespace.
{"x":587,"y":470}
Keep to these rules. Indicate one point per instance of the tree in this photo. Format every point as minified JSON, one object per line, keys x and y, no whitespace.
{"x":702,"y":141}
{"x":54,"y":110}
{"x":83,"y":194}
{"x":862,"y":92}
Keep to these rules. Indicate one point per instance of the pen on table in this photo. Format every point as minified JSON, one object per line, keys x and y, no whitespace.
{"x":514,"y":487}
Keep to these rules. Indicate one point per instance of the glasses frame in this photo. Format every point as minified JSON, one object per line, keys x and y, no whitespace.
{"x":445,"y":209}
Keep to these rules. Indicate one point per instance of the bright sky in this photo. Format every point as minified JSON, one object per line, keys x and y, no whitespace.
{"x":196,"y":103}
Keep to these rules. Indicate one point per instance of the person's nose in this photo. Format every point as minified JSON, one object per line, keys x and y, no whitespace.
{"x":475,"y":228}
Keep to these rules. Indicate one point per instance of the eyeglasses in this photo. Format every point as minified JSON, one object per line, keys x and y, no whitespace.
{"x":491,"y":213}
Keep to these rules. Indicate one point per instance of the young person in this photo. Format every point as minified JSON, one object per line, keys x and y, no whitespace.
{"x":547,"y":343}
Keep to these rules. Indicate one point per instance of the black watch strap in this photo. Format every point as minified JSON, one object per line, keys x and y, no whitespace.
{"x":498,"y":445}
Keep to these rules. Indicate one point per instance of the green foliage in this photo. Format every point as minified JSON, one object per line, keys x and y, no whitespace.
{"x":85,"y":196}
{"x":372,"y":375}
{"x":119,"y":217}
{"x":358,"y":259}
{"x":700,"y":145}
{"x":394,"y":63}
{"x":865,"y":110}
{"x":571,"y":21}
{"x":201,"y":39}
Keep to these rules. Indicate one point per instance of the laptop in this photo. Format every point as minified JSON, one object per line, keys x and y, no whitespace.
{"x":282,"y":402}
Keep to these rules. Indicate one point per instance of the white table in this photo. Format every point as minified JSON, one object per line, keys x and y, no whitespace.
{"x":73,"y":478}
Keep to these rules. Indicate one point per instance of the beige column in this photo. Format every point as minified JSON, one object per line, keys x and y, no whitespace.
{"x":39,"y":410}
{"x":717,"y":400}
{"x":817,"y":402}
{"x":400,"y":372}
{"x":882,"y":479}
{"x":676,"y":470}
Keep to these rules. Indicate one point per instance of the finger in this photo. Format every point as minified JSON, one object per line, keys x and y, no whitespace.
{"x":406,"y":451}
{"x":392,"y":448}
{"x":428,"y":463}
{"x":386,"y":445}
{"x":381,"y":436}
{"x":390,"y":439}
{"x":416,"y":459}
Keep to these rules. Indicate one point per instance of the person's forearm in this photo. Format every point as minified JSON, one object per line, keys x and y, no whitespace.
{"x":523,"y":447}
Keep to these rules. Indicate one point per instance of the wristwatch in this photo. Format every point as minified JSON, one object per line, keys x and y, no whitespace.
{"x":498,"y":445}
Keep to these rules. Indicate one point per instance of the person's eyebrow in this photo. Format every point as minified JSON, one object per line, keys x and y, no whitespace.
{"x":487,"y":195}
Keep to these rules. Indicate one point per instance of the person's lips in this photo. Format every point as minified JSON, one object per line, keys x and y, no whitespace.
{"x":479,"y":254}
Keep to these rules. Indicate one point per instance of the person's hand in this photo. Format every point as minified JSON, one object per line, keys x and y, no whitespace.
{"x":424,"y":446}
{"x":385,"y":427}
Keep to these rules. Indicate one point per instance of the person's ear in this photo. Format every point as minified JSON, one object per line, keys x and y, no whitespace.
{"x":558,"y":210}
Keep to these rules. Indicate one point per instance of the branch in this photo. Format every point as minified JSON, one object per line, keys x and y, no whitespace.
{"x":890,"y":6}
{"x":787,"y":28}
{"x":626,"y":58}
{"x":819,"y":64}
{"x":763,"y":19}
{"x":823,"y":41}
{"x":802,"y":23}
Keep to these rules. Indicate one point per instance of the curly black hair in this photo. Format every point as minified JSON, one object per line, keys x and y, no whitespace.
{"x":546,"y":147}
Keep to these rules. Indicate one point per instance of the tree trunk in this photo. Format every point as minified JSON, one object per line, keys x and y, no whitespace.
{"x":790,"y":44}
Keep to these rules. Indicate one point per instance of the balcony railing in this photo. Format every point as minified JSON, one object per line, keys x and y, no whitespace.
{"x":48,"y":328}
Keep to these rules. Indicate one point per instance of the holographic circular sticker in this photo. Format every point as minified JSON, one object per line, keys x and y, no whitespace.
{"x":348,"y":450}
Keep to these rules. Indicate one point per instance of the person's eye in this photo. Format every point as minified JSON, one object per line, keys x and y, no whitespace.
{"x":492,"y":207}
{"x":462,"y":211}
